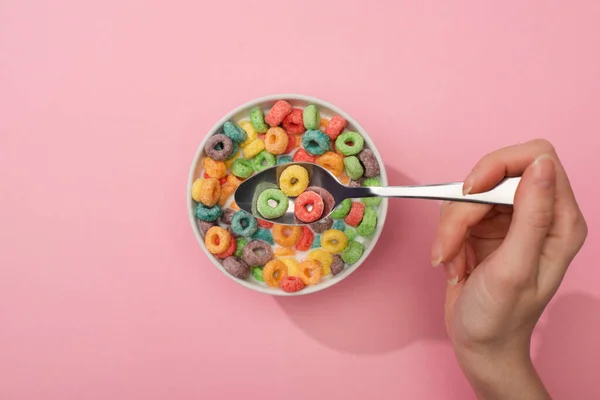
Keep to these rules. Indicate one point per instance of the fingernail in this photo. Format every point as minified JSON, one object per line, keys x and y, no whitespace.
{"x":451,"y":274}
{"x":541,"y":174}
{"x":467,"y":186}
{"x":436,"y":254}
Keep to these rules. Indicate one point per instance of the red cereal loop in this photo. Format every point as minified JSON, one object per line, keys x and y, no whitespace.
{"x":230,"y":250}
{"x":309,"y":207}
{"x":291,"y":143}
{"x":356,"y":213}
{"x":291,"y":284}
{"x":303,"y":156}
{"x":264,"y":224}
{"x":278,"y":112}
{"x":294,"y":122}
{"x":223,"y":180}
{"x":206,"y":176}
{"x":262,"y":136}
{"x":335,"y":127}
{"x":306,"y":239}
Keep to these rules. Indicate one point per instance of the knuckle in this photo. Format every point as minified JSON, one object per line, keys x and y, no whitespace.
{"x":541,"y":219}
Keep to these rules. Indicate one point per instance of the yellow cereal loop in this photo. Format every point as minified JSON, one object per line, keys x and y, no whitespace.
{"x":291,"y":264}
{"x":293,"y":180}
{"x":334,"y":241}
{"x":250,"y":132}
{"x":324,"y":257}
{"x":253,"y":148}
{"x":197,"y":190}
{"x":229,"y":162}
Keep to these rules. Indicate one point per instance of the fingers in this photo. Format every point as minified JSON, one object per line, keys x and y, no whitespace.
{"x":533,"y":215}
{"x":455,"y":221}
{"x":456,"y":269}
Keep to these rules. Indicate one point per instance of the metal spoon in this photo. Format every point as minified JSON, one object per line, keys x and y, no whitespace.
{"x":247,"y":193}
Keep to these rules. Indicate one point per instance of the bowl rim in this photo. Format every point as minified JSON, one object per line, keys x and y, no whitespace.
{"x":382,"y":216}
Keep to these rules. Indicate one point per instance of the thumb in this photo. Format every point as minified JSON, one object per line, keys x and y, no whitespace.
{"x":533,"y":212}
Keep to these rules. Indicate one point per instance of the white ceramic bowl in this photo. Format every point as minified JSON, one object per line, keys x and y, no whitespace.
{"x":242,"y":112}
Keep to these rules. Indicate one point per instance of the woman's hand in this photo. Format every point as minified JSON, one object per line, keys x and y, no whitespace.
{"x":504,"y":265}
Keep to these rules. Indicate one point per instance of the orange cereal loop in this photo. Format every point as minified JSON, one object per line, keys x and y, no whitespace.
{"x":210,"y":192}
{"x":324,"y":122}
{"x":310,"y":272}
{"x":214,"y":169}
{"x":234,"y":180}
{"x":217,"y":240}
{"x":234,"y":206}
{"x":273,"y":272}
{"x":284,"y":251}
{"x":332,"y":162}
{"x":286,"y":236}
{"x":276,"y":140}
{"x":298,"y":141}
{"x":226,"y":191}
{"x":345,"y":179}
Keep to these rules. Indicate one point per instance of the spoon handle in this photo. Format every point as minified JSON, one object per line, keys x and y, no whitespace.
{"x":503,"y":193}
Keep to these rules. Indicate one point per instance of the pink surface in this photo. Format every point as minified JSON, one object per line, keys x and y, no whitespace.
{"x":104,"y":292}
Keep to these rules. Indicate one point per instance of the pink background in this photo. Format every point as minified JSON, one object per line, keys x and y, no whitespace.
{"x":104,"y":292}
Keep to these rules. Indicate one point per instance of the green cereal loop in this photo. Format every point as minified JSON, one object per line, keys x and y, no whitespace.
{"x":354,"y":168}
{"x":343,"y":146}
{"x":257,"y":274}
{"x":342,"y":210}
{"x":367,"y":226}
{"x":350,"y":233}
{"x":264,"y":235}
{"x":240,"y":243}
{"x":311,"y":117}
{"x":272,"y":195}
{"x":261,"y":187}
{"x":371,"y":201}
{"x":263,"y":160}
{"x":242,"y":168}
{"x":353,"y":252}
{"x":257,"y":118}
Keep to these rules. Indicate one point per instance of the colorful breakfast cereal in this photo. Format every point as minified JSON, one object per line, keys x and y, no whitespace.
{"x":285,"y":257}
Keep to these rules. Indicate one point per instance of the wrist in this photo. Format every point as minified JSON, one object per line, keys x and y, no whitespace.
{"x":497,"y":374}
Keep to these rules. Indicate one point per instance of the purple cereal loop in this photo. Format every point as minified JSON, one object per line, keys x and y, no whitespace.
{"x":328,"y":200}
{"x":251,"y":253}
{"x":337,"y":265}
{"x":236,"y":267}
{"x":213,"y":142}
{"x":227,"y":215}
{"x":205,"y":226}
{"x":369,"y":161}
{"x":322,"y":225}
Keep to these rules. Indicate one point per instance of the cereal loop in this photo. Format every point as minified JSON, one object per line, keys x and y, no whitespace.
{"x":230,"y":250}
{"x":217,"y":240}
{"x":257,"y":118}
{"x":196,"y":190}
{"x":237,"y":268}
{"x":310,"y":272}
{"x":349,"y":143}
{"x":273,"y":272}
{"x":253,"y":148}
{"x":353,"y":252}
{"x":293,"y":180}
{"x":226,"y":192}
{"x":218,"y":147}
{"x":368,"y":159}
{"x":257,"y":253}
{"x":293,"y":122}
{"x":292,"y":139}
{"x":367,"y":226}
{"x":243,"y":224}
{"x":234,"y":180}
{"x":302,"y":156}
{"x":250,"y":133}
{"x":324,"y":258}
{"x":276,"y":141}
{"x":242,"y":168}
{"x":272,"y":203}
{"x":322,"y":225}
{"x":283,"y":251}
{"x":210,"y":192}
{"x":265,"y":224}
{"x":334,"y":241}
{"x":356,"y":214}
{"x":371,"y":201}
{"x":342,"y":210}
{"x":335,"y":127}
{"x":337,"y":265}
{"x":206,"y":213}
{"x":332,"y":162}
{"x":310,"y":117}
{"x":214,"y":169}
{"x":291,"y":284}
{"x":316,"y":142}
{"x":263,"y":160}
{"x":286,"y":236}
{"x":306,"y":240}
{"x":284,"y":160}
{"x":292,"y":265}
{"x":229,"y":162}
{"x":234,"y":132}
{"x":328,"y":199}
{"x":278,"y":112}
{"x":354,"y":169}
{"x":308,"y":207}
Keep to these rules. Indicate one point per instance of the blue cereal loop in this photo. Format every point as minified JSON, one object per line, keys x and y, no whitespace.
{"x":284,"y":160}
{"x":208,"y":214}
{"x":339,"y":225}
{"x":317,"y":242}
{"x":243,"y":224}
{"x":316,"y":142}
{"x":234,"y":132}
{"x":264,"y":235}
